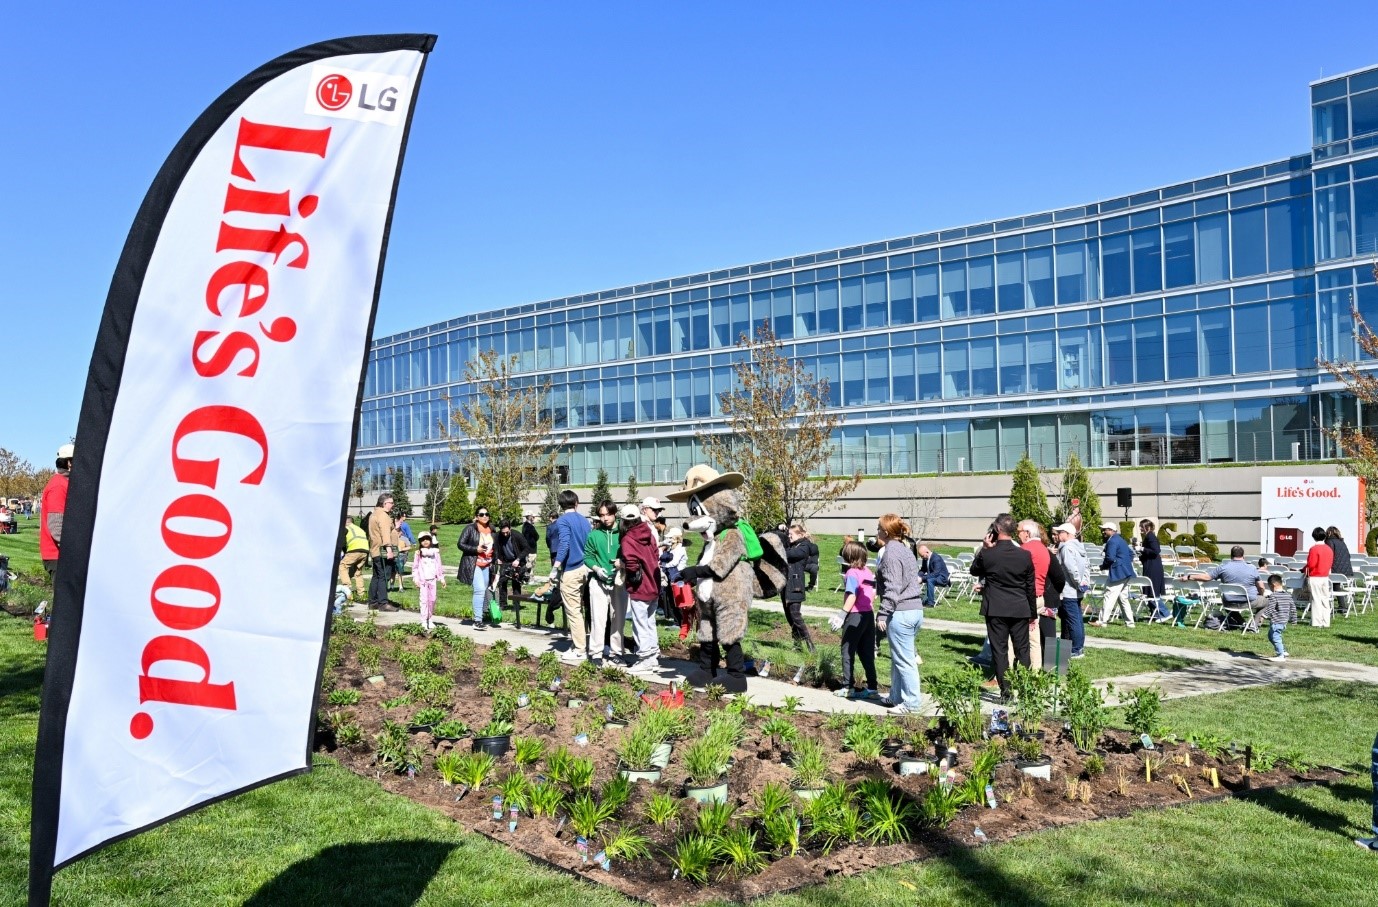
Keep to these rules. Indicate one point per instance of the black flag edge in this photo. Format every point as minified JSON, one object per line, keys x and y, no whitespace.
{"x":97,"y":408}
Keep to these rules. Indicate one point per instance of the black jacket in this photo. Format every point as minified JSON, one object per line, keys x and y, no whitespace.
{"x":796,"y":557}
{"x":510,"y":550}
{"x":811,"y":564}
{"x":1006,"y":573}
{"x":533,"y":538}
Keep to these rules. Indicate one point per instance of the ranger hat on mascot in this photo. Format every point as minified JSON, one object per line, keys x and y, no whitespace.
{"x":703,"y":481}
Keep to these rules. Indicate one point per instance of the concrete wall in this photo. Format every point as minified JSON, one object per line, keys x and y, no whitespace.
{"x":960,"y":507}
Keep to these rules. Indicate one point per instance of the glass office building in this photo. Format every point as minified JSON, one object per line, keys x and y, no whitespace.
{"x":1178,"y":325}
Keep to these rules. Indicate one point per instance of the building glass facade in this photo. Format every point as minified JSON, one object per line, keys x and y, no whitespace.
{"x":1181,"y":325}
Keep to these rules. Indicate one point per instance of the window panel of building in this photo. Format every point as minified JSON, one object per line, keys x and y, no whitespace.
{"x":1248,"y":243}
{"x":902,"y":296}
{"x":954,"y":290}
{"x":926,"y":297}
{"x":1042,"y":362}
{"x":1251,"y":338}
{"x":930,"y":371}
{"x":1119,"y":354}
{"x":853,"y":316}
{"x":1332,"y":223}
{"x":1363,"y":114}
{"x":1148,"y":260}
{"x":1013,"y":368}
{"x":1009,"y":278}
{"x":805,"y":311}
{"x":1212,"y":248}
{"x":983,"y":374}
{"x":1038,"y":267}
{"x":1114,"y":266}
{"x":956,"y":377}
{"x":981,"y":286}
{"x":1181,"y":347}
{"x":903,"y":375}
{"x":1148,"y":350}
{"x":874,"y":295}
{"x":1366,"y":217}
{"x":828,"y":307}
{"x":1071,"y":273}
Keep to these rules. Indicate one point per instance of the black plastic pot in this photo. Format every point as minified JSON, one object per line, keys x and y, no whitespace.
{"x":493,"y":746}
{"x":419,"y":728}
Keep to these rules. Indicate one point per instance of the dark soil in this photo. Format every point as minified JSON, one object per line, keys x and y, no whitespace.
{"x":1024,"y":805}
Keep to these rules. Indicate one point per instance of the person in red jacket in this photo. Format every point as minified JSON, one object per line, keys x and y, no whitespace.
{"x":54,"y":505}
{"x":1319,"y":559}
{"x":640,"y":562}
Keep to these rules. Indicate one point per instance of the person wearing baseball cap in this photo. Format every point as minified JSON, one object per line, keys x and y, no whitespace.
{"x":1072,"y":554}
{"x":53,"y":506}
{"x":651,"y":509}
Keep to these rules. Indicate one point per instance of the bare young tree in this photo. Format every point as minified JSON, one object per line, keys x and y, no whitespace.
{"x":921,"y":502}
{"x":779,"y":431}
{"x":1194,"y":503}
{"x":507,"y":435}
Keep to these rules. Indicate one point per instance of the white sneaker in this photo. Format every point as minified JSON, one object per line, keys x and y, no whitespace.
{"x":645,"y":664}
{"x":573,"y":657}
{"x":1282,"y":657}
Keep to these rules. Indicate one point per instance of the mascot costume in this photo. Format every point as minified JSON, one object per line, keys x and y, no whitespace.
{"x":734,"y":568}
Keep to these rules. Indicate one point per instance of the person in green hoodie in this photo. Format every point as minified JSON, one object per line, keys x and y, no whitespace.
{"x":607,"y":594}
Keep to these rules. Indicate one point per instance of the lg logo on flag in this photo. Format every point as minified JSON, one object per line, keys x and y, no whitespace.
{"x":367,"y":96}
{"x":334,"y":92}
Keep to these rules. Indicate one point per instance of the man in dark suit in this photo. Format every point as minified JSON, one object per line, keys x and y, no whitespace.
{"x":1008,"y":602}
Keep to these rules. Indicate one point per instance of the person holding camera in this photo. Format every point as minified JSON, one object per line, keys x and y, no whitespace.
{"x":1008,"y":600}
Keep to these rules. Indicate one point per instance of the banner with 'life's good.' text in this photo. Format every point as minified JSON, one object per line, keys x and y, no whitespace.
{"x":207,"y":493}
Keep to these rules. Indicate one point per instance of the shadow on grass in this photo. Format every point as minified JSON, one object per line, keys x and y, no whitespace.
{"x":1286,"y":803}
{"x":20,"y":691}
{"x":1362,"y":640}
{"x":381,"y":874}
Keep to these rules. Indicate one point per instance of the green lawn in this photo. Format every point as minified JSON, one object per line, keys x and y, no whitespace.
{"x":331,"y":837}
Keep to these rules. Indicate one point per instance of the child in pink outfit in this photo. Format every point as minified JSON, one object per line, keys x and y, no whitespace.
{"x":426,"y":570}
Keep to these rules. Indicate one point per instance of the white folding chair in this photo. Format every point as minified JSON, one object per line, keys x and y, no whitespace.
{"x":1234,"y":599}
{"x":1143,"y":599}
{"x":1342,"y":593}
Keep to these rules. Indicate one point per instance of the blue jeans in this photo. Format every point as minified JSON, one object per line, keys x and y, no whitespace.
{"x":481,"y":575}
{"x":929,"y":586}
{"x":1275,"y":636}
{"x":903,"y":627}
{"x":1071,"y":622}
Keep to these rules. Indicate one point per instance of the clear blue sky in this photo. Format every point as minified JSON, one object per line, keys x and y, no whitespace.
{"x":566,"y":147}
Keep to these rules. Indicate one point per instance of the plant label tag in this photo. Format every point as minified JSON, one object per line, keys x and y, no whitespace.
{"x":1147,"y":741}
{"x":376,"y":679}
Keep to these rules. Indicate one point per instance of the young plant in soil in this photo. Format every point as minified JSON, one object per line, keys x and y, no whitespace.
{"x":889,"y":819}
{"x":810,"y":765}
{"x":496,"y":728}
{"x":504,"y":706}
{"x":394,"y":747}
{"x":473,"y":769}
{"x":615,"y":793}
{"x":447,"y":765}
{"x":370,"y":657}
{"x":662,"y":809}
{"x":737,"y":848}
{"x":782,"y":831}
{"x":714,"y":819}
{"x":1033,"y":692}
{"x":704,"y":760}
{"x":781,"y":731}
{"x":546,"y":798}
{"x":1094,"y":765}
{"x":579,"y":774}
{"x":1026,"y":749}
{"x":522,"y":653}
{"x":1153,"y":760}
{"x":431,"y":689}
{"x":527,"y":750}
{"x":1084,"y":709}
{"x":433,"y":656}
{"x":343,"y":697}
{"x":450,"y":730}
{"x":397,"y":702}
{"x":864,"y":738}
{"x":836,"y":818}
{"x":625,"y":844}
{"x":544,"y":708}
{"x":637,"y":748}
{"x":715,"y":692}
{"x":516,"y":789}
{"x":587,"y":815}
{"x":462,"y":651}
{"x":429,"y":717}
{"x":958,"y":693}
{"x":941,"y":804}
{"x":693,"y":857}
{"x":771,"y":799}
{"x":347,"y":731}
{"x":1143,"y":709}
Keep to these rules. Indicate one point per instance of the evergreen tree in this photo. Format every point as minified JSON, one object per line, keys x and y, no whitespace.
{"x":433,"y":498}
{"x":551,"y":503}
{"x":401,"y":503}
{"x":484,"y":496}
{"x":1027,"y":499}
{"x":601,"y":491}
{"x":457,"y":507}
{"x":1076,"y":486}
{"x":633,"y":493}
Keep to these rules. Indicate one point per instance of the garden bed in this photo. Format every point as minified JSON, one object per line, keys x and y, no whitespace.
{"x":871,"y":816}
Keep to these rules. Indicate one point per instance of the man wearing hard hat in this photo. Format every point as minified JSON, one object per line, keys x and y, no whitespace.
{"x":54,"y":505}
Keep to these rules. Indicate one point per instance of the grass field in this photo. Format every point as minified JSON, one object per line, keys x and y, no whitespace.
{"x":330,"y":837}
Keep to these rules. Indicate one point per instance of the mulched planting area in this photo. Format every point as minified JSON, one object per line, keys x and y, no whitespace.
{"x":375,"y":683}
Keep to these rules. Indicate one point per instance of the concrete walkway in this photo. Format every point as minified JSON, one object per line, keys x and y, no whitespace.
{"x":762,"y":690}
{"x":1216,"y":671}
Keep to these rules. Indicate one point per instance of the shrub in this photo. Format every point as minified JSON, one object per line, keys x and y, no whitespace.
{"x":1142,"y":710}
{"x":1084,"y":708}
{"x":958,"y":693}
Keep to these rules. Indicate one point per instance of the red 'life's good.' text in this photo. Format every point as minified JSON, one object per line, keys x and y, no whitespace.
{"x":236,"y":290}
